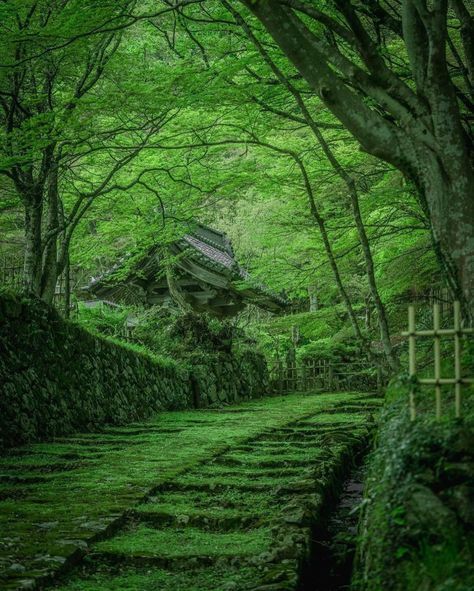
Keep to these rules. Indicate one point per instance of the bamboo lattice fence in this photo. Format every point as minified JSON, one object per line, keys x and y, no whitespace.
{"x":437,"y":333}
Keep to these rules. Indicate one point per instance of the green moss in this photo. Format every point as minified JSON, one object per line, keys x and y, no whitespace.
{"x":216,"y":470}
{"x":217,"y":501}
{"x":337,"y":418}
{"x":261,"y":457}
{"x":239,"y":481}
{"x":218,"y":579}
{"x":108,"y":479}
{"x":187,"y":542}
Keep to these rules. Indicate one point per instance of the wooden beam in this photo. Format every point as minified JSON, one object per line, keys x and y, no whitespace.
{"x":212,"y":278}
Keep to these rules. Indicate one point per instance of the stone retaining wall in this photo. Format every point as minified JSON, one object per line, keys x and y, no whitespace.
{"x":417,"y":518}
{"x":57,"y":378}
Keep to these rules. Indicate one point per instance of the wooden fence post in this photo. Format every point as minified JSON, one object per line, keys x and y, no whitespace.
{"x":437,"y":359}
{"x":280,"y":377}
{"x":457,"y":359}
{"x":412,"y":358}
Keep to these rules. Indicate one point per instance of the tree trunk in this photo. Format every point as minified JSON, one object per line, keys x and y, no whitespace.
{"x":335,"y":269}
{"x":451,"y":207}
{"x":32,"y":258}
{"x":368,"y":314}
{"x":67,"y":287}
{"x":369,"y":265}
{"x":313,"y":298}
{"x":50,"y":273}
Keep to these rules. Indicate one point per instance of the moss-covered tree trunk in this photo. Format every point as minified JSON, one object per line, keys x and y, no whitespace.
{"x":32,"y":257}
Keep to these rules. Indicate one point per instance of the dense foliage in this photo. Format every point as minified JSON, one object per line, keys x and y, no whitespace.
{"x":123,"y":123}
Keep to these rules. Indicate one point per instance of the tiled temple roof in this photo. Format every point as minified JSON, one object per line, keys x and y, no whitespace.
{"x":212,"y":253}
{"x":210,"y":249}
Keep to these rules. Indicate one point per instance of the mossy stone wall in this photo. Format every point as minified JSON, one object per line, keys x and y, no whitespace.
{"x":417,"y":523}
{"x":57,"y":378}
{"x":220,"y":378}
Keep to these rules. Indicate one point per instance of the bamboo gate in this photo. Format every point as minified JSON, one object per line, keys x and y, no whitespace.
{"x":437,"y":333}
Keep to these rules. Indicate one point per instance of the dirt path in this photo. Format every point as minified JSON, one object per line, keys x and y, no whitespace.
{"x":200,"y":500}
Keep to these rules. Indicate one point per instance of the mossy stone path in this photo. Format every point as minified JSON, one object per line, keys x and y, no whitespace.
{"x":198,"y":500}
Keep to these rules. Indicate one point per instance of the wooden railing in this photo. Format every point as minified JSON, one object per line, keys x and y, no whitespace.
{"x":437,"y":333}
{"x":12,"y":275}
{"x":324,"y":376}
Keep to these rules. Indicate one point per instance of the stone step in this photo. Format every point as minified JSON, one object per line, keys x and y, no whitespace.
{"x":141,"y":541}
{"x":99,"y":576}
{"x":204,"y":520}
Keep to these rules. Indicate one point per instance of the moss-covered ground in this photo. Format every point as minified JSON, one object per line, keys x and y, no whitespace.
{"x":188,"y":500}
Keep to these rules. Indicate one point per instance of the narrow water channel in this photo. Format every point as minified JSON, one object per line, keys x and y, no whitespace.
{"x":333,"y":542}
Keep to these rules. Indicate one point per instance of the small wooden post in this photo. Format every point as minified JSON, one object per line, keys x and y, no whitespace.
{"x":280,"y":377}
{"x":330,"y":377}
{"x":457,"y":359}
{"x":379,"y":379}
{"x":295,"y":335}
{"x":437,"y":359}
{"x":412,"y":358}
{"x":305,"y":376}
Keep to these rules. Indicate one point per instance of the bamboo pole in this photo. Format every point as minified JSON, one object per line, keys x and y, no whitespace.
{"x":457,"y":359}
{"x":412,"y":357}
{"x":437,"y":359}
{"x":442,"y":332}
{"x":444,"y":381}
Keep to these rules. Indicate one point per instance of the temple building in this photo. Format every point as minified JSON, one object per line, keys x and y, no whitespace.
{"x":204,"y":277}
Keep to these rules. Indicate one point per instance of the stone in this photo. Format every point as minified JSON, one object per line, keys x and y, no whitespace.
{"x":426,"y":512}
{"x":297,"y":516}
{"x":16,"y":567}
{"x":459,"y":471}
{"x":183,"y":519}
{"x":461,"y":500}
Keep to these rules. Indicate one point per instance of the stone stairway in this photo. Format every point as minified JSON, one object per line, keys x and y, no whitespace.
{"x":239,"y":521}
